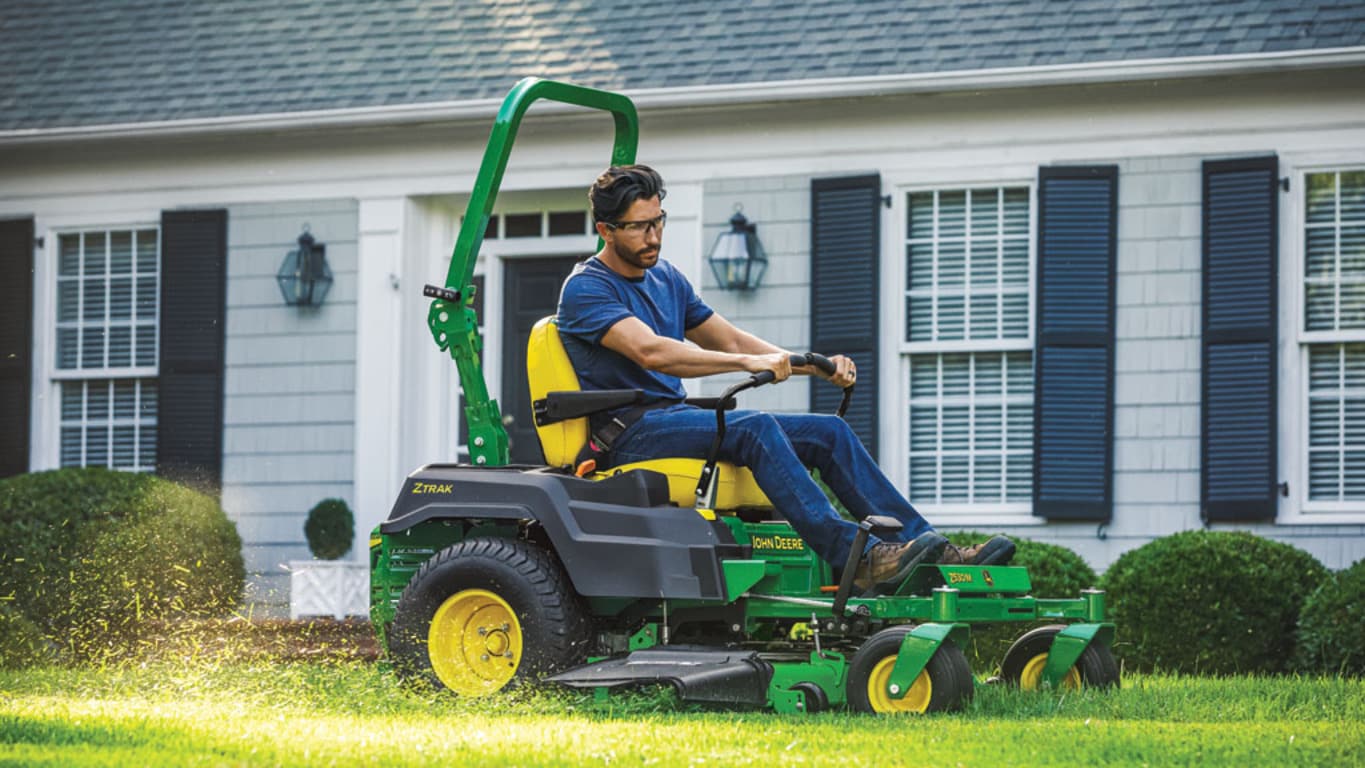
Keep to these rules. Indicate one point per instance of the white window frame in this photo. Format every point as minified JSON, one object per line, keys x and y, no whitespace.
{"x":48,"y":410}
{"x":1294,"y":507}
{"x":894,"y":296}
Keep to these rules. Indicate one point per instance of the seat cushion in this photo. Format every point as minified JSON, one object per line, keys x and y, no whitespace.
{"x":735,"y":485}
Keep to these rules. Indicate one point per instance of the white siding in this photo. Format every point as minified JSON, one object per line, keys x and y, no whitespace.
{"x":289,"y":410}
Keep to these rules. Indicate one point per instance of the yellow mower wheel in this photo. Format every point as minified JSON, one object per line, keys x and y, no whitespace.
{"x":943,"y":685}
{"x":474,"y":642}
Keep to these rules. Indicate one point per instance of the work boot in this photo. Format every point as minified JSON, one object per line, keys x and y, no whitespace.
{"x":997,"y":551}
{"x":889,"y":563}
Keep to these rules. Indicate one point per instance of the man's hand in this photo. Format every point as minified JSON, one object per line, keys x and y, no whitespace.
{"x":845,"y":372}
{"x":779,"y":363}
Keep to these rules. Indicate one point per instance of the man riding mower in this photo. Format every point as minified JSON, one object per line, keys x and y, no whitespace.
{"x":667,"y":541}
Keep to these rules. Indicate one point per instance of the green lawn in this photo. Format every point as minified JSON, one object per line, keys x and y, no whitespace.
{"x":301,"y":714}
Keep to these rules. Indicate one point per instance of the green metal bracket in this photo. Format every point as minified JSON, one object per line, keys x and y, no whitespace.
{"x":647,"y":637}
{"x":916,"y":649}
{"x":1068,"y":646}
{"x":451,"y":318}
{"x":742,"y":574}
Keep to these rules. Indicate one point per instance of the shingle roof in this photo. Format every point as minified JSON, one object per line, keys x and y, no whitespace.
{"x":68,"y":63}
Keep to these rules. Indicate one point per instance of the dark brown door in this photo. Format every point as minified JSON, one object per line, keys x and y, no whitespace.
{"x":531,"y":291}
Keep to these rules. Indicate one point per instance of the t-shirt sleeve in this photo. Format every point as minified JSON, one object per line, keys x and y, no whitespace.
{"x":588,"y":308}
{"x":696,"y":311}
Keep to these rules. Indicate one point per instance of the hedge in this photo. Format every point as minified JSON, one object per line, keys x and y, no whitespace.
{"x":1331,"y":636}
{"x":92,"y":555}
{"x":1210,"y":602}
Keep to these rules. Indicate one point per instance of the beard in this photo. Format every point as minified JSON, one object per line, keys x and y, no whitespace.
{"x":640,"y":258}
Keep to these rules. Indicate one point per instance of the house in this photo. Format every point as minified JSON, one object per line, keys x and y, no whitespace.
{"x":1102,"y":266}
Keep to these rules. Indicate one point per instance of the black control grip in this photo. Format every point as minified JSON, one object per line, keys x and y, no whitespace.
{"x":762,"y":377}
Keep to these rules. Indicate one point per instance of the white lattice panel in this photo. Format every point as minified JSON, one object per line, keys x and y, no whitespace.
{"x":328,"y":588}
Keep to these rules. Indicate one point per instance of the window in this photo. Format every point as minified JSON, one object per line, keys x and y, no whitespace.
{"x":106,"y":347}
{"x":1333,"y":338}
{"x":968,"y":347}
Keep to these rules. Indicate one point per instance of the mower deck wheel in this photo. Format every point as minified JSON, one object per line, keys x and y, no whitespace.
{"x":1027,"y":658}
{"x":945,"y":684}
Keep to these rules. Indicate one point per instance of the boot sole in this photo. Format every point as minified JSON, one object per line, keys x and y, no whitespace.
{"x":929,"y":552}
{"x":998,"y":551}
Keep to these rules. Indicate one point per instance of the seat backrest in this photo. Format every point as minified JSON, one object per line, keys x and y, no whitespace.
{"x":548,"y":370}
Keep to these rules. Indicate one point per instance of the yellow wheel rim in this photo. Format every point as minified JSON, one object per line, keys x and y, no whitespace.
{"x":915,"y":700}
{"x":1031,"y":679}
{"x":474,"y":642}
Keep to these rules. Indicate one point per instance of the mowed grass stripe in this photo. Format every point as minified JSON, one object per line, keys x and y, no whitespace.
{"x":308,"y":715}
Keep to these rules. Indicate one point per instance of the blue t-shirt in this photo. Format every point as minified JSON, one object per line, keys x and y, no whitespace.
{"x":594,"y":298}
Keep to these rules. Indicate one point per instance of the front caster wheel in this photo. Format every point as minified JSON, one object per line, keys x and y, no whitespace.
{"x":486,"y":614}
{"x":1025,"y":660}
{"x":944,"y":685}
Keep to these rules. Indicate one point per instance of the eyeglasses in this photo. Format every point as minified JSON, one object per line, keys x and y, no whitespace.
{"x":638,"y":227}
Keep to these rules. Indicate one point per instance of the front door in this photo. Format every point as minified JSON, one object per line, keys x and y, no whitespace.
{"x":530,"y":291}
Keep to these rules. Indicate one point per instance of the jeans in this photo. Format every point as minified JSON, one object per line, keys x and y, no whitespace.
{"x":778,"y":448}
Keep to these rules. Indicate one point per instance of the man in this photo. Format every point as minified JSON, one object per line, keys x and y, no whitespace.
{"x":623,"y":316}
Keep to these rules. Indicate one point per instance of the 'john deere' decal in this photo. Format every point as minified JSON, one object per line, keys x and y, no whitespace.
{"x":778,"y":543}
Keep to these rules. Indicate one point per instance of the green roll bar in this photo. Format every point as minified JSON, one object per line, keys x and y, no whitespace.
{"x":452,"y":320}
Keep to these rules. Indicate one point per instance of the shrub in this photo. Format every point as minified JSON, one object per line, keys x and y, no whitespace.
{"x":1055,"y":571}
{"x":330,"y":528}
{"x":1210,"y":602}
{"x":1332,"y":625}
{"x":21,"y":643}
{"x":92,"y":555}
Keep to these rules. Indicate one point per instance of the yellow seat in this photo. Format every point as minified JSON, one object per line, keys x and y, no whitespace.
{"x":549,"y":370}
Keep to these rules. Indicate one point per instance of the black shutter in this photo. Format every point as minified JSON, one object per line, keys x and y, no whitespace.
{"x":1073,"y":414}
{"x":16,"y":343}
{"x":1238,"y":445}
{"x":845,"y":237}
{"x":190,"y":379}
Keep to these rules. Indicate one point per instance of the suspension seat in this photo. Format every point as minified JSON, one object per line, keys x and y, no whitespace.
{"x":549,"y":370}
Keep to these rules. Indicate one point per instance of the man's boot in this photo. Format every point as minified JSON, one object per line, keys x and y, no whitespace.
{"x":889,"y":563}
{"x":997,"y":551}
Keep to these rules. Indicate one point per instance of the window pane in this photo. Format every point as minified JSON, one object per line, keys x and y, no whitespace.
{"x":146,"y":345}
{"x":568,"y":222}
{"x":921,"y":224}
{"x":1352,"y":305}
{"x":147,"y":248}
{"x":68,"y":300}
{"x":1321,"y":310}
{"x":120,"y":253}
{"x":1321,"y":252}
{"x":71,"y":447}
{"x":109,"y":423}
{"x":985,"y":212}
{"x":984,"y":260}
{"x":1353,"y":196}
{"x":69,"y":255}
{"x":67,"y":348}
{"x":120,"y":298}
{"x":1321,"y":198}
{"x":94,"y":253}
{"x":1353,"y":252}
{"x":521,"y":225}
{"x":1336,"y":422}
{"x":93,"y":311}
{"x":120,"y":346}
{"x":92,"y":348}
{"x":952,"y":215}
{"x":921,"y":272}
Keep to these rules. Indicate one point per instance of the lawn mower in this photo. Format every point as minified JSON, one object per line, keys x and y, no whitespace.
{"x":672,"y":572}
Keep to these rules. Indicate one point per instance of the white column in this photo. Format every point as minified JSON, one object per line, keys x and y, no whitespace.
{"x":378,"y":476}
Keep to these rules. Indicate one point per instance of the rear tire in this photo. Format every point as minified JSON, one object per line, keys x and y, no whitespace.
{"x":1025,"y":660}
{"x":487,"y":614}
{"x":944,"y":685}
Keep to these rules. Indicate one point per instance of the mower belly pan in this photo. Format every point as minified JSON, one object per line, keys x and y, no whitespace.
{"x":704,"y":675}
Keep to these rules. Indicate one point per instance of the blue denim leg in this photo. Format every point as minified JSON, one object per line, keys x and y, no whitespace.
{"x":761,"y":442}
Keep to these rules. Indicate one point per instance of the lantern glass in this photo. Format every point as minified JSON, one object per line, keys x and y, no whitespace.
{"x":304,"y":276}
{"x":737,"y":259}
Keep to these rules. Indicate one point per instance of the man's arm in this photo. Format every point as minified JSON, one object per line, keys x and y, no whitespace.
{"x":720,"y":334}
{"x":634,"y":340}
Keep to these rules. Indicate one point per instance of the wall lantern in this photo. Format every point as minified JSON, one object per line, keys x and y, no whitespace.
{"x":737,"y":259}
{"x":304,"y":277}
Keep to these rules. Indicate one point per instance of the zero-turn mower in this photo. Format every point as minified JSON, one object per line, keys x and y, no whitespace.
{"x":675,"y":571}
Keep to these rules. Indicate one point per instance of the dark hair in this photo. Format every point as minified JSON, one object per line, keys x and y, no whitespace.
{"x":621,"y":185}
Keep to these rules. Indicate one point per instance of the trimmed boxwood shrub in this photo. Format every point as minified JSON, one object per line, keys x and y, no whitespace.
{"x":1055,"y":571}
{"x":21,"y":643}
{"x":1209,"y":602}
{"x":330,"y":528}
{"x":93,"y":555}
{"x":1332,"y":625}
